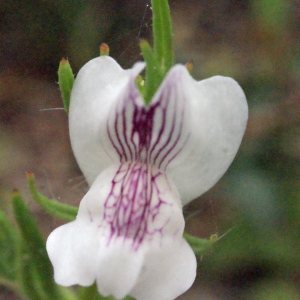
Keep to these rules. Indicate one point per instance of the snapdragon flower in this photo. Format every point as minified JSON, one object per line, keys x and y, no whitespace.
{"x":143,"y":162}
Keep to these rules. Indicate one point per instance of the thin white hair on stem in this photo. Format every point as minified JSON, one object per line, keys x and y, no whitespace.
{"x":79,"y":185}
{"x":224,"y":234}
{"x":138,"y":29}
{"x":75,"y":178}
{"x":193,"y":215}
{"x":48,"y":186}
{"x":50,"y":109}
{"x":144,"y":15}
{"x":213,"y":215}
{"x":143,"y":23}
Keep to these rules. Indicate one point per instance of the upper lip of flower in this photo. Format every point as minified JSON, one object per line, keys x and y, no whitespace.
{"x":191,"y":130}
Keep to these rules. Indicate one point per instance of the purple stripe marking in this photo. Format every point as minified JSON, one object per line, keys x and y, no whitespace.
{"x":134,"y":203}
{"x":134,"y":134}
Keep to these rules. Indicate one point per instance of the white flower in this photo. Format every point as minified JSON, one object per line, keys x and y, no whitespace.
{"x":143,"y":164}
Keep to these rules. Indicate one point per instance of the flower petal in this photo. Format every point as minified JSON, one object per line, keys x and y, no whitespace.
{"x":95,"y":89}
{"x":191,"y":130}
{"x":216,"y":112}
{"x":70,"y":249}
{"x":169,"y":272}
{"x":129,"y":220}
{"x":118,"y":269}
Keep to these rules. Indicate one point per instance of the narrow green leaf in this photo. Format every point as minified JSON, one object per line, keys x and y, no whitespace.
{"x":40,"y":271}
{"x":53,"y":207}
{"x":8,"y":249}
{"x":65,"y":81}
{"x":154,"y":75}
{"x":162,"y":34}
{"x":199,"y":246}
{"x":157,"y":25}
{"x":28,"y":276}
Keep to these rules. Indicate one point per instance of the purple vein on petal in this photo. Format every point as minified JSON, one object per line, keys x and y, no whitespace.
{"x":152,"y":135}
{"x":133,"y":203}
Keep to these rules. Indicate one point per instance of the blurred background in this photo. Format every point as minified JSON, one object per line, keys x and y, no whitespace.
{"x":257,"y":202}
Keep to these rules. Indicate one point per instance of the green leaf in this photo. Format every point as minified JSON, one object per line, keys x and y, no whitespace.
{"x":200,"y":246}
{"x":65,"y":81}
{"x":160,"y":60}
{"x":29,"y":277}
{"x":8,"y":249}
{"x":154,"y":75}
{"x":37,"y":270}
{"x":162,"y":34}
{"x":53,"y":207}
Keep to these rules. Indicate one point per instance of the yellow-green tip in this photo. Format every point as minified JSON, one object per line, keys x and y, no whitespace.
{"x":15,"y":192}
{"x":30,"y":175}
{"x":64,"y":62}
{"x":104,"y":49}
{"x":214,"y":238}
{"x":190,"y":66}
